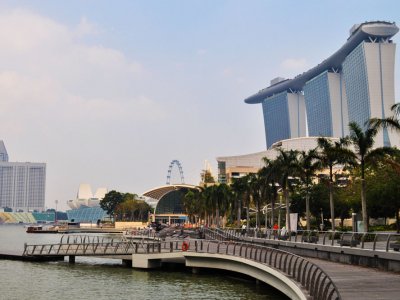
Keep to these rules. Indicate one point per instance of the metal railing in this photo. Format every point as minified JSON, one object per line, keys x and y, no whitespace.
{"x":309,"y":275}
{"x":375,"y":241}
{"x":89,"y":245}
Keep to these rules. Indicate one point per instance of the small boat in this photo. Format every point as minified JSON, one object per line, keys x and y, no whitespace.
{"x":42,"y":229}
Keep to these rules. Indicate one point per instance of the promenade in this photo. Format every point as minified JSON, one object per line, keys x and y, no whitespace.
{"x":316,"y":277}
{"x":356,"y":282}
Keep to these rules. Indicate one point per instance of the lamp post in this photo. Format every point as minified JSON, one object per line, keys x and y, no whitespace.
{"x":322,"y":219}
{"x":55,"y":217}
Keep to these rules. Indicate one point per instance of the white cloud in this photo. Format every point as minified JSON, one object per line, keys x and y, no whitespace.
{"x":45,"y":67}
{"x":86,"y":28}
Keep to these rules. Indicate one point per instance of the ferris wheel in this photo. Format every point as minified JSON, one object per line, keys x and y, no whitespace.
{"x":175,"y":162}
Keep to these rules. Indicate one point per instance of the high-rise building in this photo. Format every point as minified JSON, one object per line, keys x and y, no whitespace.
{"x":22,"y":185}
{"x":326,"y":105}
{"x":284,"y":117}
{"x":355,"y":84}
{"x":3,"y":152}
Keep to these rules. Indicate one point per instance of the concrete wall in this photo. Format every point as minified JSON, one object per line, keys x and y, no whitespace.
{"x":122,"y":225}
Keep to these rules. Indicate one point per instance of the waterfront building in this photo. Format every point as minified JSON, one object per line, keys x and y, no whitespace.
{"x":231,"y":167}
{"x":326,"y":103}
{"x":85,"y":214}
{"x":284,"y":116}
{"x":22,"y":185}
{"x":167,"y":202}
{"x":354,"y":84}
{"x":86,"y":198}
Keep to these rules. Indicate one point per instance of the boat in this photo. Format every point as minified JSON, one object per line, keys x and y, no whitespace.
{"x":42,"y":229}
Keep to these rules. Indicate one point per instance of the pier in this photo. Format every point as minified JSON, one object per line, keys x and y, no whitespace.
{"x":264,"y":259}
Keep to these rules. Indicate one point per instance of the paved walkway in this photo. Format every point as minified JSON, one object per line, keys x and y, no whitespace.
{"x":355,"y":282}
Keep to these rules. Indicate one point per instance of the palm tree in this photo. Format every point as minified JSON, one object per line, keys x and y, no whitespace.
{"x":331,"y":154}
{"x":389,"y":122}
{"x":270,"y":175}
{"x":287,"y":165}
{"x":247,"y":196}
{"x":363,"y":142}
{"x":208,"y":199}
{"x":192,"y":205}
{"x":239,"y":188}
{"x":309,"y":165}
{"x":255,"y":191}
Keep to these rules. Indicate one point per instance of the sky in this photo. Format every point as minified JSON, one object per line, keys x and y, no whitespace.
{"x":110,"y":92}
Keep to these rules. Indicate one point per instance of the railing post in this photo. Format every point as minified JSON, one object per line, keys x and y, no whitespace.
{"x":387,"y":242}
{"x":373,"y":247}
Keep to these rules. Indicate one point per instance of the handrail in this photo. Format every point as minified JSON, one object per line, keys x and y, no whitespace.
{"x":288,"y":263}
{"x":374,"y":241}
{"x":293,"y":266}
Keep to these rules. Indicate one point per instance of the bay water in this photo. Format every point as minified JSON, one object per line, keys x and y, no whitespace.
{"x":100,"y":278}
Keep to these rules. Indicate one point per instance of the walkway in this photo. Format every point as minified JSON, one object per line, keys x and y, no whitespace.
{"x":356,"y":282}
{"x":352,"y":282}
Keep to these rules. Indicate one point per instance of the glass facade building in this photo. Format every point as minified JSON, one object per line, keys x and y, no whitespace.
{"x":318,"y":105}
{"x":356,"y":77}
{"x":276,"y":118}
{"x":22,"y":185}
{"x":354,"y":84}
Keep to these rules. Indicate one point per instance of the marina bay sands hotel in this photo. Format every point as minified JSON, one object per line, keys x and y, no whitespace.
{"x":356,"y":83}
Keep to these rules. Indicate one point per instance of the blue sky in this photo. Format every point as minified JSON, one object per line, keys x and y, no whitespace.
{"x":110,"y":92}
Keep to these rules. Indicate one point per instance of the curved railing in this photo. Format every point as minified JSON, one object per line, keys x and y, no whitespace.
{"x":375,"y":241}
{"x":310,"y":276}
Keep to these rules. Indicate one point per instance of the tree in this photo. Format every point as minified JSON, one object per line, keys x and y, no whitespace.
{"x":255,"y":184}
{"x":287,"y":165}
{"x":309,"y":165}
{"x":239,"y":188}
{"x":363,"y":141}
{"x":391,"y":122}
{"x":383,"y":190}
{"x":331,"y":154}
{"x":111,"y":201}
{"x":132,"y":209}
{"x":222,"y":196}
{"x":206,"y":177}
{"x":271,"y":174}
{"x":191,"y":203}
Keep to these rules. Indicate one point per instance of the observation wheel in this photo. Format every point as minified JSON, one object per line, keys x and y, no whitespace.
{"x":175,"y":162}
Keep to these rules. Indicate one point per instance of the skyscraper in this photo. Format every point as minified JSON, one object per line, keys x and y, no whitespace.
{"x":3,"y":152}
{"x":355,"y":84}
{"x":284,"y":117}
{"x":22,"y":185}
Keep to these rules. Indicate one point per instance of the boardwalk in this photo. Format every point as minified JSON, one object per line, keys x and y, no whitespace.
{"x":356,"y":282}
{"x":352,"y":282}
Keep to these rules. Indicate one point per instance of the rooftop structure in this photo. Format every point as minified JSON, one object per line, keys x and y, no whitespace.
{"x":356,"y":83}
{"x":167,"y":201}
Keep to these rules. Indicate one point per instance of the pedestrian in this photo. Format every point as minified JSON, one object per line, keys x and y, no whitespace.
{"x":243,"y":229}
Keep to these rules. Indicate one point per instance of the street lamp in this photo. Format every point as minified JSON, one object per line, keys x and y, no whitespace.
{"x":322,"y":220}
{"x":55,"y":217}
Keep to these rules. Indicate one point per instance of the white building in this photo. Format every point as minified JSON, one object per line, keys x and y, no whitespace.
{"x":230,"y":167}
{"x":22,"y":185}
{"x":85,"y":197}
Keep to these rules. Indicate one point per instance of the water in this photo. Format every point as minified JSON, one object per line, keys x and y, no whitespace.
{"x":97,"y":278}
